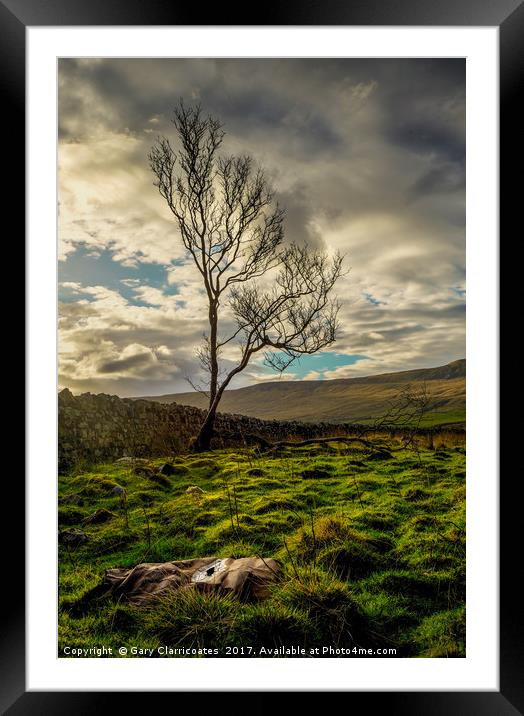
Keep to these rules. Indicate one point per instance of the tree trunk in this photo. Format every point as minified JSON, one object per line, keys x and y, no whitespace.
{"x":213,"y":355}
{"x":203,"y":439}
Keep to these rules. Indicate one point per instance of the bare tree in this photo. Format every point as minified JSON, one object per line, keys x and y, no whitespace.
{"x":234,"y":232}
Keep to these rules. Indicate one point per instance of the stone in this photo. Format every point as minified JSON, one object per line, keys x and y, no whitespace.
{"x":249,"y":578}
{"x":100,"y":428}
{"x":194,"y":490}
{"x":167,"y":469}
{"x":126,"y":460}
{"x":66,"y":397}
{"x":118,"y":490}
{"x":72,"y":538}
{"x":99,"y":516}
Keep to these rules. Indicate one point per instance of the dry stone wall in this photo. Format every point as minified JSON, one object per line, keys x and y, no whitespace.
{"x":97,"y":428}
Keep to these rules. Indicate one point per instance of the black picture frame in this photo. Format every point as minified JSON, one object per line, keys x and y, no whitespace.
{"x":508,"y":16}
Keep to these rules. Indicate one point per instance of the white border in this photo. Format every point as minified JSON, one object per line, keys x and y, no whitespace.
{"x":479,"y":670}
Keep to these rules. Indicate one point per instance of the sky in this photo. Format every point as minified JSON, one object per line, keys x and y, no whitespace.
{"x":366,"y":156}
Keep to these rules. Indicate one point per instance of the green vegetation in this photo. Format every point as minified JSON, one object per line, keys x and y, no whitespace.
{"x":372,"y":550}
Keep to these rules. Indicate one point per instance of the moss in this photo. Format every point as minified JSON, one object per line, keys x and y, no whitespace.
{"x":442,"y":635}
{"x":378,"y":547}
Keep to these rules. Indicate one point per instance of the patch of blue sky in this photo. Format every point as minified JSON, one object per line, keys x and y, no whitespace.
{"x":374,"y":301}
{"x":89,"y":268}
{"x":321,"y":363}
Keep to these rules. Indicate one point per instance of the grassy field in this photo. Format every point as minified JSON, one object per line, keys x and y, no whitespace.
{"x":372,"y":548}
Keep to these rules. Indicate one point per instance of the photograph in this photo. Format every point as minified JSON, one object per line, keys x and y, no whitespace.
{"x":261,"y":357}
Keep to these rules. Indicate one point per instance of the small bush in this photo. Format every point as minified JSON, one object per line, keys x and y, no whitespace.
{"x":331,"y":610}
{"x":192,"y":618}
{"x":270,"y":626}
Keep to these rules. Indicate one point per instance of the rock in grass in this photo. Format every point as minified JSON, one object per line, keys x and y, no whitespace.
{"x":99,"y":516}
{"x":72,"y":538}
{"x":167,"y":469}
{"x":194,"y":490}
{"x":118,"y":490}
{"x":247,"y":577}
{"x":126,"y":460}
{"x":256,"y":472}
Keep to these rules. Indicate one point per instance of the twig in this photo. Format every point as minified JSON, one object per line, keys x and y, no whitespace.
{"x":291,"y":560}
{"x":236,"y":505}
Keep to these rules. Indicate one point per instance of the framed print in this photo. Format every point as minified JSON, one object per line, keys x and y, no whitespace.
{"x":258,"y":237}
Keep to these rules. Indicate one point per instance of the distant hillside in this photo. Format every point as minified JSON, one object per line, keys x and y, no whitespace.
{"x":349,"y":399}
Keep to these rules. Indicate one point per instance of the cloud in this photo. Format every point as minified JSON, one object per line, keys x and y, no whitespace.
{"x":366,"y":156}
{"x":126,"y":365}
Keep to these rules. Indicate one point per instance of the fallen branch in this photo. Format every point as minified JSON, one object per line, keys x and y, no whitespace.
{"x":267,"y":445}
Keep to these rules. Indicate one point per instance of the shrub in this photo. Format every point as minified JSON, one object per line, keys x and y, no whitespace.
{"x":270,"y":625}
{"x":328,"y":604}
{"x":191,"y":618}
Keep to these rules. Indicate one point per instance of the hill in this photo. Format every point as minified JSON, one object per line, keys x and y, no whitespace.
{"x":342,"y":400}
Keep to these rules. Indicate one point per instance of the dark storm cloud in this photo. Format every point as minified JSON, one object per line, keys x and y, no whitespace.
{"x":443,"y":179}
{"x":123,"y":364}
{"x":299,"y":217}
{"x":424,"y":136}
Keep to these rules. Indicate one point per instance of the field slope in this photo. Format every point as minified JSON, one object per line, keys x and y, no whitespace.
{"x":343,"y":400}
{"x":372,"y":548}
